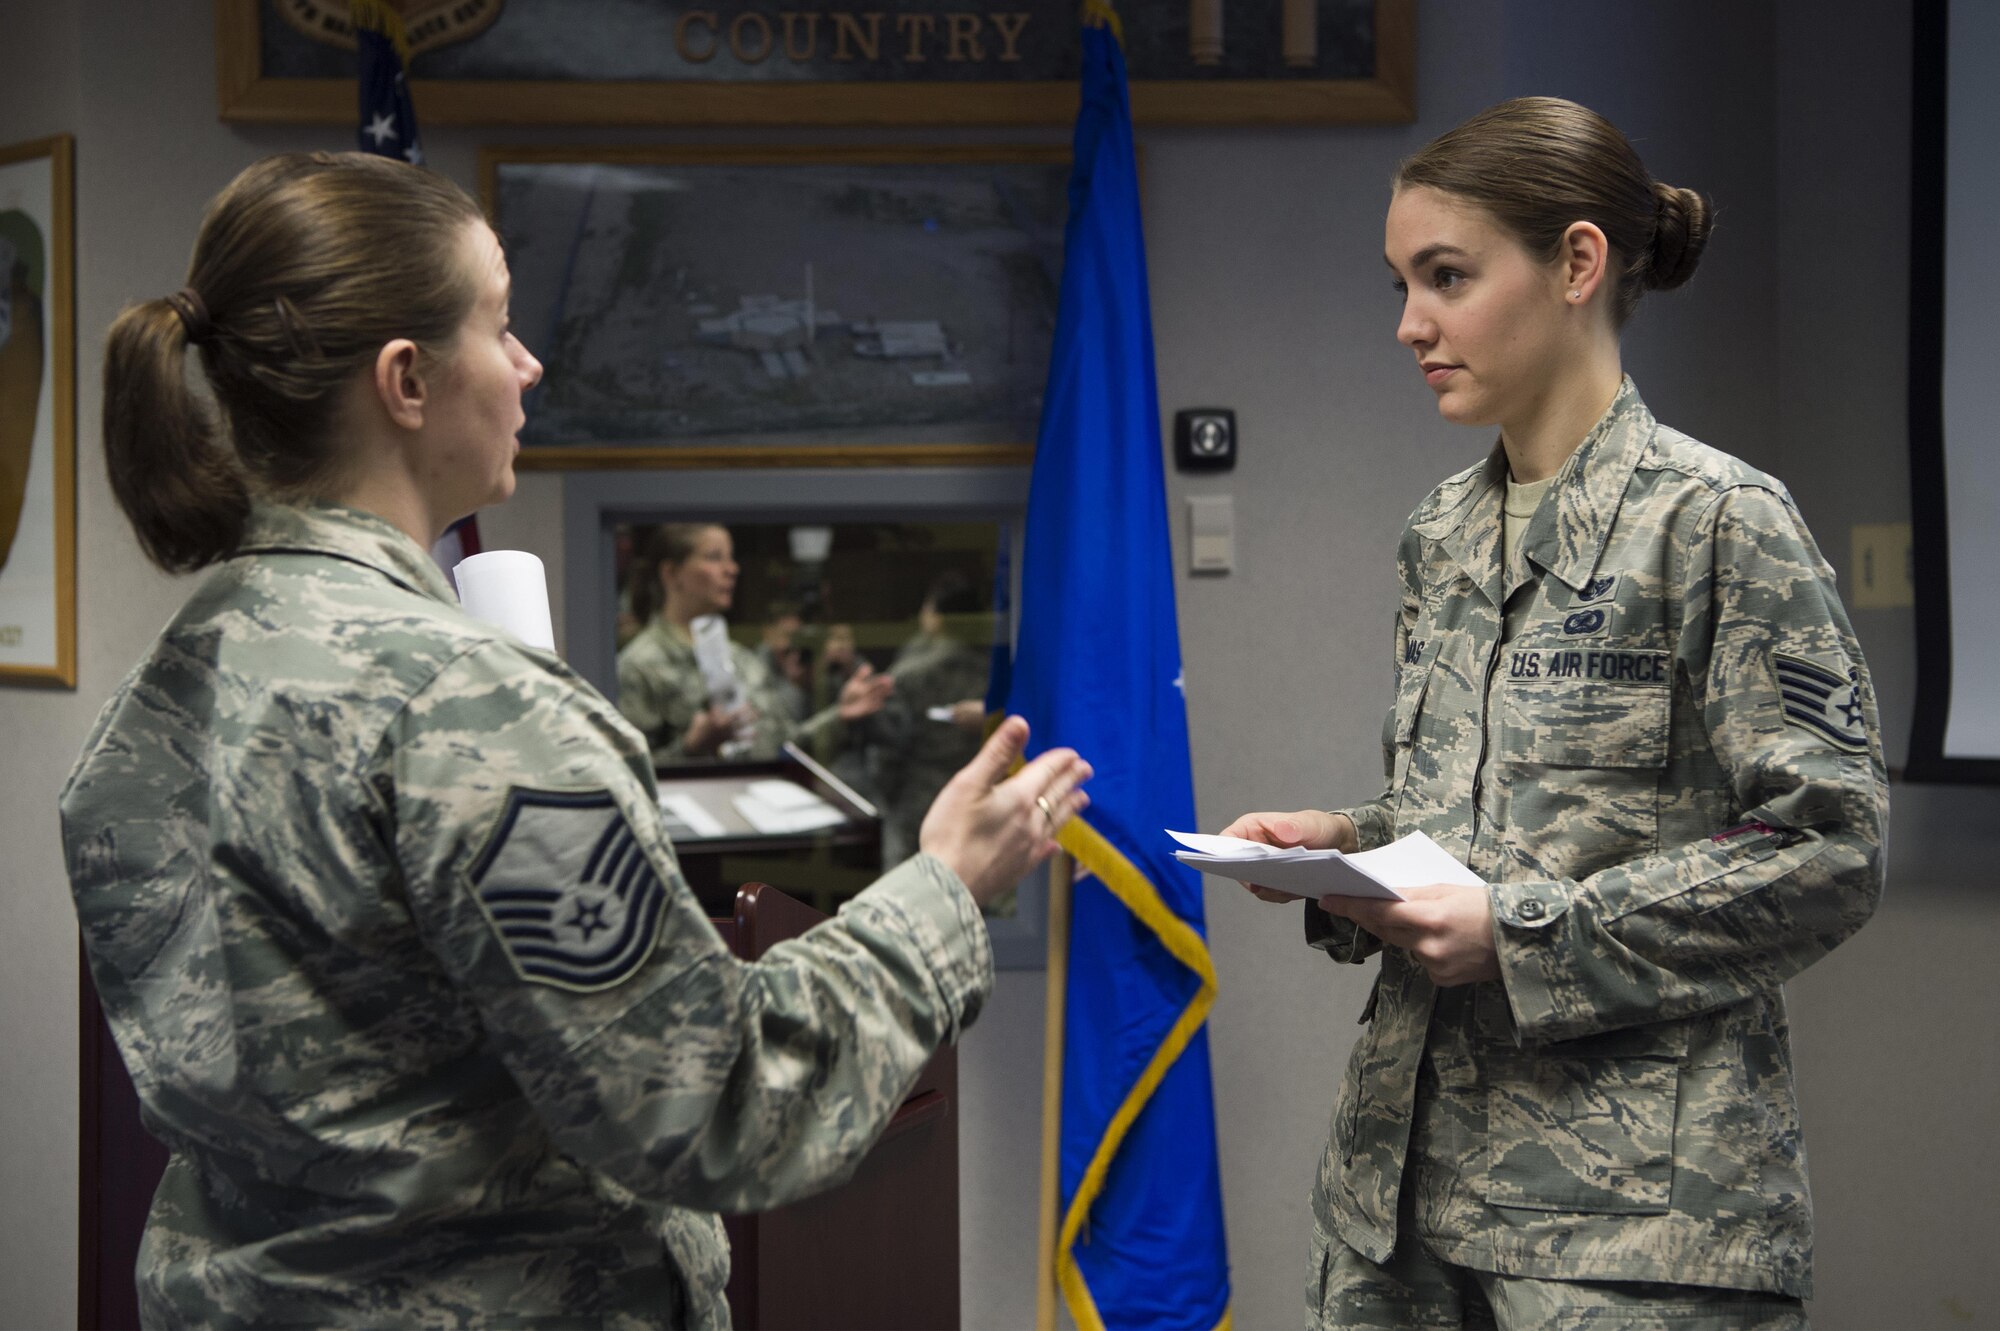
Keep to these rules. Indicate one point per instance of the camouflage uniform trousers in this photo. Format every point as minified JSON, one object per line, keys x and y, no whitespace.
{"x":1417,"y":1291}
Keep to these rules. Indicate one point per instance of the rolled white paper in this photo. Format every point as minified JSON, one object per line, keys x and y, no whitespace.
{"x":510,"y":590}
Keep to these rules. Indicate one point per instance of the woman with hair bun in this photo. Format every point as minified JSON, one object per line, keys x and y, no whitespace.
{"x":1628,"y":698}
{"x":378,"y":899}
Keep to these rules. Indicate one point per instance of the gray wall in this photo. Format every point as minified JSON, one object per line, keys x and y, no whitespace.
{"x":1269,"y":296}
{"x":38,"y":1063}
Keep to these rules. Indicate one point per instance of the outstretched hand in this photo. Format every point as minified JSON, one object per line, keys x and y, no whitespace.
{"x":864,"y":693}
{"x":991,"y":830}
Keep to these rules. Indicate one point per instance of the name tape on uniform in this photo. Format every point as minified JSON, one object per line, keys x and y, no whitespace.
{"x":1609,"y":666}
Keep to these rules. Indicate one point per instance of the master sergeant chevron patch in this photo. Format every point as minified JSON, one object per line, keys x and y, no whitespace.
{"x":569,"y":889}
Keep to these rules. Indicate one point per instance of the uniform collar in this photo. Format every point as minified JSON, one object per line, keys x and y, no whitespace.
{"x":1465,"y":520}
{"x":346,"y":533}
{"x":1566,"y":535}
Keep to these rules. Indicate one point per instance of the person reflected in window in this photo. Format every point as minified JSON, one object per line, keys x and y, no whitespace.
{"x":784,"y":653}
{"x":934,"y":722}
{"x":691,"y":568}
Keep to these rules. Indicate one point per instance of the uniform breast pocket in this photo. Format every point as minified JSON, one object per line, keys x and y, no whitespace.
{"x":1586,"y":758}
{"x":1586,"y":724}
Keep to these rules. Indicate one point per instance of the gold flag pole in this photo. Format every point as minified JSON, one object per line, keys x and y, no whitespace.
{"x":1061,"y":875}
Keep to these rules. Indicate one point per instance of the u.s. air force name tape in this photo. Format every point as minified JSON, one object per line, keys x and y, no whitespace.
{"x":569,"y":889}
{"x":1611,"y":667}
{"x":1822,"y":701}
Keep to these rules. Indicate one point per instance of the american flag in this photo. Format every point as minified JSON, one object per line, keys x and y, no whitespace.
{"x":388,"y":120}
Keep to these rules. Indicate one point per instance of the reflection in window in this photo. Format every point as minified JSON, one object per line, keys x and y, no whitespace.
{"x":866,"y":643}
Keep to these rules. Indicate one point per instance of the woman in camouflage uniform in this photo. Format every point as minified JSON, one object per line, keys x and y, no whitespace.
{"x":690,"y":570}
{"x":377,"y":898}
{"x":1628,"y":697}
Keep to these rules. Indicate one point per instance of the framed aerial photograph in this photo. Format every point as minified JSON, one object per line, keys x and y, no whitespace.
{"x":37,"y":415}
{"x":796,"y":62}
{"x":702,"y":307}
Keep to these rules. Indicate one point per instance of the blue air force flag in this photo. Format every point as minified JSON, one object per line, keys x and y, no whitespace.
{"x":1140,"y":1240}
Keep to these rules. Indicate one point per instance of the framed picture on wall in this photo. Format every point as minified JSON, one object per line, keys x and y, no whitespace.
{"x":741,"y":306}
{"x":37,"y":415}
{"x":827,"y":61}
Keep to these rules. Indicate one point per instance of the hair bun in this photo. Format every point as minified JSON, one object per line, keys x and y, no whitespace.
{"x":1679,"y":237}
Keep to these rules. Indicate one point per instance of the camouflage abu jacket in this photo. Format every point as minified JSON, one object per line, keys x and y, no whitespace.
{"x":381,"y":912}
{"x":1685,"y":805}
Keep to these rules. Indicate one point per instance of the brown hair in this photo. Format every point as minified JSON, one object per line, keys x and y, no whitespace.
{"x":306,"y":264}
{"x":1539,"y":164}
{"x":670,"y":543}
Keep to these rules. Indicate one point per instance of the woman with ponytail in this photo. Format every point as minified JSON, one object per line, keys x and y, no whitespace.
{"x":378,"y":899}
{"x":1628,"y":698}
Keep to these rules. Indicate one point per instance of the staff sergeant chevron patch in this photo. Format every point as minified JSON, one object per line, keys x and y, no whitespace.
{"x":569,"y":889}
{"x":1822,"y":701}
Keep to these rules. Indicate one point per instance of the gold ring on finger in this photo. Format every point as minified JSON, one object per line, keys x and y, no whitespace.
{"x":1048,"y":810}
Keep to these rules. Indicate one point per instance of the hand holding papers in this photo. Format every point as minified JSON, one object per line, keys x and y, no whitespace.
{"x":1413,"y":861}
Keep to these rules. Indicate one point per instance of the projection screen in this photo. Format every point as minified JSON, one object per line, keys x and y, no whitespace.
{"x":1955,"y":390}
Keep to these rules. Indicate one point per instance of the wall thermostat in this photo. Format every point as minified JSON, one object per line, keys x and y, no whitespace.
{"x":1205,"y":439}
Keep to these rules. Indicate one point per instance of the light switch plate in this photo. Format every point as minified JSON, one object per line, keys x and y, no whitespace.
{"x":1211,"y":533}
{"x":1882,"y":573}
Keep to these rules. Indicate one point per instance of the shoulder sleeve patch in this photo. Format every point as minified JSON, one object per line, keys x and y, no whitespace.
{"x":1822,"y":700}
{"x":569,"y":889}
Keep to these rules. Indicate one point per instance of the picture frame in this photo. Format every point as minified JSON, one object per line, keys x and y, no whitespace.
{"x":883,"y":62}
{"x":782,"y":306}
{"x":38,"y":413}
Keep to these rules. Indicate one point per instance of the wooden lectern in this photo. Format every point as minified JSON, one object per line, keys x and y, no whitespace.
{"x":880,"y":1251}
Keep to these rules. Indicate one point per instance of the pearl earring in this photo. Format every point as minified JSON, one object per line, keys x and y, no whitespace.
{"x":1576,"y":295}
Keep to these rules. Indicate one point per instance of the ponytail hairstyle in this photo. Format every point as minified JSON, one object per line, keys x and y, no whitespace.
{"x":670,"y":544}
{"x":1540,"y":164}
{"x":306,"y":265}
